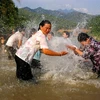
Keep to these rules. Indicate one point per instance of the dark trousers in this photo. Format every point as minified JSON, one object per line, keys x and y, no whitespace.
{"x":11,"y":52}
{"x":23,"y":69}
{"x":36,"y":64}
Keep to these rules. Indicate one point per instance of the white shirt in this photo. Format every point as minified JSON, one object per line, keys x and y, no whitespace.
{"x":33,"y":44}
{"x":13,"y":39}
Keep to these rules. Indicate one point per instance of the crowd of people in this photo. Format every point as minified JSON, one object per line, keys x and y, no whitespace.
{"x":27,"y":53}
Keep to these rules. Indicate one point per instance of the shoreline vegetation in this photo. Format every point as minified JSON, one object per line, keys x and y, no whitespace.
{"x":12,"y":17}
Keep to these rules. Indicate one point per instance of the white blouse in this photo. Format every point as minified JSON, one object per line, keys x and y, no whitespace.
{"x":31,"y":46}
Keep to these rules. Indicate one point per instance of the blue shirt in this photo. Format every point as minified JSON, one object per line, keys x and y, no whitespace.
{"x":37,"y":55}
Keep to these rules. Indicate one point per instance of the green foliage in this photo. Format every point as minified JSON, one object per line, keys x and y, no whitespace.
{"x":94,"y":25}
{"x":9,"y":17}
{"x":57,"y":22}
{"x":8,"y":12}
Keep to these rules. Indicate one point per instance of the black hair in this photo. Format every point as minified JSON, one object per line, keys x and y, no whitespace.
{"x":83,"y":37}
{"x":43,"y":23}
{"x":32,"y":31}
{"x":51,"y":33}
{"x":67,"y":33}
{"x":21,"y":28}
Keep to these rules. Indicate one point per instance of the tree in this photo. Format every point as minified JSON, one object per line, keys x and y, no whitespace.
{"x":8,"y":12}
{"x":9,"y":15}
{"x":94,"y":25}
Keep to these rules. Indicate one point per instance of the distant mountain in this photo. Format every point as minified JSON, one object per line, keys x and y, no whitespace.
{"x":66,"y":11}
{"x":61,"y":19}
{"x":40,"y":10}
{"x":71,"y":14}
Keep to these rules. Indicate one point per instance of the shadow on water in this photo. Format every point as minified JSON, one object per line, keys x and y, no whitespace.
{"x":61,"y":79}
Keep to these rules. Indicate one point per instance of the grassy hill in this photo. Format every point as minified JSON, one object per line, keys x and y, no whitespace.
{"x":59,"y":18}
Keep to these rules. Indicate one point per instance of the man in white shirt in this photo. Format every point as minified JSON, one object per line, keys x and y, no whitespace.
{"x":14,"y":42}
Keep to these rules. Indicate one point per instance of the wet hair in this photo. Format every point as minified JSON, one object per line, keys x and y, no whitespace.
{"x":21,"y":28}
{"x":51,"y":33}
{"x":43,"y":23}
{"x":67,"y":33}
{"x":83,"y":37}
{"x":33,"y":31}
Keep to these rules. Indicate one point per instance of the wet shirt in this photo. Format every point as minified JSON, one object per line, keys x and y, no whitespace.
{"x":13,"y":39}
{"x":92,"y":51}
{"x":31,"y":46}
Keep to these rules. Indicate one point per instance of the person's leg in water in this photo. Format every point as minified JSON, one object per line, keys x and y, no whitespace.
{"x":36,"y":69}
{"x":23,"y":70}
{"x":13,"y":51}
{"x":36,"y":60}
{"x":36,"y":64}
{"x":8,"y":52}
{"x":98,"y":73}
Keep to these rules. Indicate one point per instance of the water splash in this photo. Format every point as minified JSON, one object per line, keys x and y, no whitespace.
{"x":81,"y":25}
{"x":43,"y":17}
{"x":70,"y":69}
{"x":66,"y":67}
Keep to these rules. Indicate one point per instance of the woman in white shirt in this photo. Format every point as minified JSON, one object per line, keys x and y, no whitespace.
{"x":26,"y":52}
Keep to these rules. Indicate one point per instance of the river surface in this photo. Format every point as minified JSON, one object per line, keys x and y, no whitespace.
{"x":57,"y":81}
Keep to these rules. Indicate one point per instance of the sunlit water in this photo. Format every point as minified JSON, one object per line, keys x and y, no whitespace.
{"x":67,"y":77}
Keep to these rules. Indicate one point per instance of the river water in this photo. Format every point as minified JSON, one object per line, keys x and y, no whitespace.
{"x":62,"y":78}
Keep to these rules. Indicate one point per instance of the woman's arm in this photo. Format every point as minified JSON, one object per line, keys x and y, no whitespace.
{"x":78,"y":51}
{"x":53,"y":53}
{"x":75,"y":49}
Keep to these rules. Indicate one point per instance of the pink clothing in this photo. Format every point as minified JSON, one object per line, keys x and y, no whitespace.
{"x":92,"y":51}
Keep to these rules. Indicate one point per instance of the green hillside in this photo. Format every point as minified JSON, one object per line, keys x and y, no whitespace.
{"x":37,"y":18}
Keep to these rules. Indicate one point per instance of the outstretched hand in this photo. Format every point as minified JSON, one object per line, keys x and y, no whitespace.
{"x":71,"y":47}
{"x":75,"y":50}
{"x":64,"y":53}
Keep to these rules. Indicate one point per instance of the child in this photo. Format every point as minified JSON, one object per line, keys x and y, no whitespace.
{"x":36,"y":59}
{"x":50,"y":35}
{"x":91,"y":50}
{"x":66,"y":36}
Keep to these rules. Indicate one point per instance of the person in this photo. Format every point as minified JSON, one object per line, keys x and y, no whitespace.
{"x":32,"y":32}
{"x":36,"y":58}
{"x":66,"y":36}
{"x":13,"y":31}
{"x":25,"y":53}
{"x":50,"y":35}
{"x":2,"y":44}
{"x":27,"y":36}
{"x":14,"y":42}
{"x":91,"y":50}
{"x":2,"y":40}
